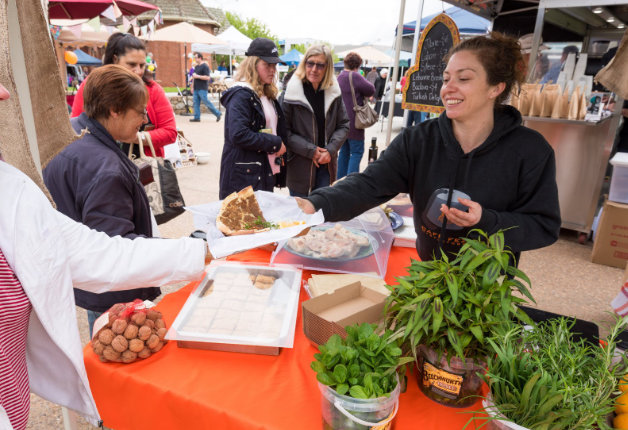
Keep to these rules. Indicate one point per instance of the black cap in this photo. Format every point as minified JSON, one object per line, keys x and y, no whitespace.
{"x":265,"y":49}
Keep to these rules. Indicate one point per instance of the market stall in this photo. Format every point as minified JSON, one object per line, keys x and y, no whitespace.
{"x":187,"y":388}
{"x":582,"y":148}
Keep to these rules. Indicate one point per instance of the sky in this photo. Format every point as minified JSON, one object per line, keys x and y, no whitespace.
{"x":334,"y":21}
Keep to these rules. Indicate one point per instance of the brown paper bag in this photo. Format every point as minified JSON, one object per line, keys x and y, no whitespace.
{"x":527,"y":94}
{"x":582,"y":106}
{"x":574,"y":104}
{"x":550,"y":94}
{"x":615,"y":75}
{"x":537,"y":101}
{"x":560,"y":107}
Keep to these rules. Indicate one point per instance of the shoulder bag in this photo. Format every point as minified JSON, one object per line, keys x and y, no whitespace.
{"x":365,"y":116}
{"x":164,"y":195}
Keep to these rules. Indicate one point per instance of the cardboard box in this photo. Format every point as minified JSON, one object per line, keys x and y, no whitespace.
{"x":626,"y":273}
{"x":611,"y":240}
{"x":329,"y":314}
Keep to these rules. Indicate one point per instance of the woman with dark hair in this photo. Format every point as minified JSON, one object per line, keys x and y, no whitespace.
{"x":352,"y":150}
{"x":94,"y":182}
{"x":475,"y":167}
{"x":128,"y":51}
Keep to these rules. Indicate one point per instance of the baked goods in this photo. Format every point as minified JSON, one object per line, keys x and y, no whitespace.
{"x":129,"y":333}
{"x":335,"y":242}
{"x":239,"y":211}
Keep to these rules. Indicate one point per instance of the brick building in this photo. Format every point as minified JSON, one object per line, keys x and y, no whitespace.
{"x":171,"y":56}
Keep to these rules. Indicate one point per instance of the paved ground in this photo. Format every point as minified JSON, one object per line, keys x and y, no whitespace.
{"x":563,"y":278}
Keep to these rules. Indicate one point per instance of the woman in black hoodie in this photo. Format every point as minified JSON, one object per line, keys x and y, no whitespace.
{"x":475,"y":166}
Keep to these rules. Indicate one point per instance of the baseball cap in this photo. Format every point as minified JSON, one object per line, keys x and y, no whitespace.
{"x":264,"y":49}
{"x":526,"y":43}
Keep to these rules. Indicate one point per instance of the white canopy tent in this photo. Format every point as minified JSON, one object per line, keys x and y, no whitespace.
{"x":238,"y":43}
{"x":370,"y":56}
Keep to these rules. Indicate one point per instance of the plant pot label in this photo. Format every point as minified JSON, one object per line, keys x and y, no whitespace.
{"x":440,"y":382}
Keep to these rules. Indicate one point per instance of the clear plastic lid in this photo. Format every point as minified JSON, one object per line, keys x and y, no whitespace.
{"x":361,"y":245}
{"x":244,"y":304}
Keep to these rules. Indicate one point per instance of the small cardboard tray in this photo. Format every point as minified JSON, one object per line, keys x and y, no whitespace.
{"x":330,"y":313}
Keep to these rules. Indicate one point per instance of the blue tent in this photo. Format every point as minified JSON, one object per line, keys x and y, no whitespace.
{"x":293,"y":58}
{"x":467,"y":22}
{"x":86,"y":59}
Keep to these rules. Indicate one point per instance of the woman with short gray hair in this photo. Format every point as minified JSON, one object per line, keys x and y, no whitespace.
{"x":317,"y":122}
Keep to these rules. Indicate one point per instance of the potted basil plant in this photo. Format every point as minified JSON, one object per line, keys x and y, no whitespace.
{"x":445,"y":309}
{"x":359,"y":378}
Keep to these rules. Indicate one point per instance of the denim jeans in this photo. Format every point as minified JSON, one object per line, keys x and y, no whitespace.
{"x":322,"y":180}
{"x":201,"y":96}
{"x":92,"y":316}
{"x":350,"y":157}
{"x":415,"y":118}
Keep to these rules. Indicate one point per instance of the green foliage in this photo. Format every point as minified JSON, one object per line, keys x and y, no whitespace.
{"x":250,"y":27}
{"x":364,"y":366}
{"x":545,"y":379}
{"x":452,"y":306}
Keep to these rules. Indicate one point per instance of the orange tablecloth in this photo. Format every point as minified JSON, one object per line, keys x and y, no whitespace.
{"x":191,"y":389}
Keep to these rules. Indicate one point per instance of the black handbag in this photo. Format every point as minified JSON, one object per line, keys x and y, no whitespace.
{"x":164,"y":195}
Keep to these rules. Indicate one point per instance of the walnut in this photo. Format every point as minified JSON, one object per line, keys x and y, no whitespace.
{"x":160,"y":324}
{"x":120,"y":343}
{"x":110,"y":354}
{"x":116,"y":309}
{"x":119,"y":326}
{"x":136,"y":345}
{"x":106,"y":336}
{"x":158,"y":347}
{"x":102,"y":358}
{"x":98,"y":346}
{"x":162,"y":333}
{"x":149,"y":323}
{"x":112,"y":319}
{"x":144,"y":333}
{"x":145,"y":353}
{"x":153,"y":315}
{"x":131,"y":331}
{"x":152,"y":341}
{"x":139,"y":318}
{"x":129,"y":356}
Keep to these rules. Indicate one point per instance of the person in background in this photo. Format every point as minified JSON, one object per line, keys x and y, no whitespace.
{"x":317,"y":122}
{"x":475,"y":167}
{"x":43,"y":255}
{"x":150,"y":61}
{"x":352,"y":150}
{"x":221,"y":67}
{"x":255,"y":127}
{"x":284,"y":84}
{"x":372,"y":76}
{"x":380,"y":84}
{"x":622,"y":135}
{"x":201,"y":86}
{"x":554,"y":71}
{"x":93,"y":181}
{"x":129,"y":52}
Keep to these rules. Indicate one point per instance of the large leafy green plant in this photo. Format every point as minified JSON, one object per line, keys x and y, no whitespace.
{"x":544,"y":378}
{"x":452,"y":305}
{"x":363,"y":366}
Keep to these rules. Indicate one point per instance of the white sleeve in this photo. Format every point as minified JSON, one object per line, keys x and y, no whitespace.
{"x":99,"y":263}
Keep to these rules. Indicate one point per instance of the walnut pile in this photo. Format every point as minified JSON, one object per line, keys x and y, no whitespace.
{"x":129,"y":334}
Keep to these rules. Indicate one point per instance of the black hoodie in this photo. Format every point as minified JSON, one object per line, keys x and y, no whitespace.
{"x":512,"y":175}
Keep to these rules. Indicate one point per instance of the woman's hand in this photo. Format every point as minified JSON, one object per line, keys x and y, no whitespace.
{"x":463,"y":219}
{"x":305,"y":205}
{"x":281,"y":151}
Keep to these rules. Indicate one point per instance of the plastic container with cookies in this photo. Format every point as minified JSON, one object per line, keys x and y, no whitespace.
{"x":249,"y":308}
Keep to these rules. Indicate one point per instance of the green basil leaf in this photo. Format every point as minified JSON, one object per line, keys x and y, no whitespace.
{"x":325,"y":378}
{"x":317,"y":366}
{"x":357,"y":392}
{"x":342,"y":389}
{"x":340,"y":373}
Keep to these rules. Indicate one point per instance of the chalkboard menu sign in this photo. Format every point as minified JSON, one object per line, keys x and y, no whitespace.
{"x":422,"y":89}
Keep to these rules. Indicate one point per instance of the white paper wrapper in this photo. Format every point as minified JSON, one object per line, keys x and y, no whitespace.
{"x":276,"y":208}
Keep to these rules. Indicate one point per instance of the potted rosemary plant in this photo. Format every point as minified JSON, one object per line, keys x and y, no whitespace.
{"x":545,"y":379}
{"x":444,"y":311}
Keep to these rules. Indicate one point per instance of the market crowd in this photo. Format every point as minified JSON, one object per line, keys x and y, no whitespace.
{"x":475,"y":166}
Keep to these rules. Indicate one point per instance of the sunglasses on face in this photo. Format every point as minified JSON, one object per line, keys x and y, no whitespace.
{"x":311,"y":64}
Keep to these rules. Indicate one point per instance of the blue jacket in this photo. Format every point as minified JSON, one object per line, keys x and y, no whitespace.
{"x":93,"y":182}
{"x":245,"y":153}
